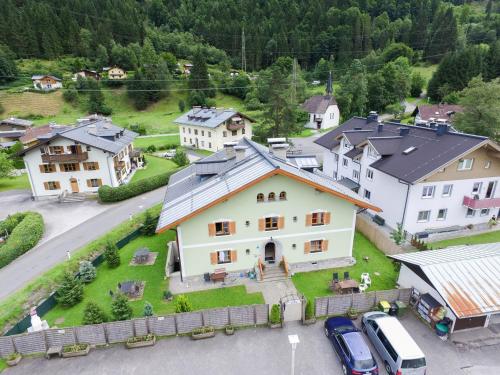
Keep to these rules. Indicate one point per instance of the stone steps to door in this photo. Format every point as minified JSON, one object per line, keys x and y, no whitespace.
{"x":273,"y":273}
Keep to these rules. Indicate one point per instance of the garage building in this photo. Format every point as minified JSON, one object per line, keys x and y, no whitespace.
{"x":464,"y":279}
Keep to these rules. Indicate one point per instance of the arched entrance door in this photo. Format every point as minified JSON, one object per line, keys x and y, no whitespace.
{"x":270,"y":252}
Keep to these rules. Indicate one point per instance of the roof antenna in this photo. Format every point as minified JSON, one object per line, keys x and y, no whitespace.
{"x":329,"y":84}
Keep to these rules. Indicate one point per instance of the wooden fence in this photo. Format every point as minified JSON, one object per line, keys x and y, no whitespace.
{"x":116,"y":332}
{"x":362,"y":302}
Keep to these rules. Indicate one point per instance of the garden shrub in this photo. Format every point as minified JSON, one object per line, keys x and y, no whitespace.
{"x":25,"y":230}
{"x":134,"y":188}
{"x":148,"y":309}
{"x":149,"y":226}
{"x":275,"y":317}
{"x":70,"y":292}
{"x":182,"y":304}
{"x":120,"y":308}
{"x":309,"y":310}
{"x":180,"y":157}
{"x":111,"y":255}
{"x":87,"y":272}
{"x":93,"y":314}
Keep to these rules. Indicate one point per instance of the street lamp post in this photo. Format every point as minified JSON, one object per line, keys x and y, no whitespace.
{"x":293,"y":340}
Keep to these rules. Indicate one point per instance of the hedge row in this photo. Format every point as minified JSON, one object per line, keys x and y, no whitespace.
{"x":134,"y":188}
{"x":11,"y":222}
{"x":23,"y":237}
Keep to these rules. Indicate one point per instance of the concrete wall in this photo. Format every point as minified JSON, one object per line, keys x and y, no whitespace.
{"x":376,"y":235}
{"x":330,"y":119}
{"x":249,"y":242}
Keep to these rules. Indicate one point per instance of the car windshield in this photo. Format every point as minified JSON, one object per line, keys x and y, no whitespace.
{"x":413,"y":363}
{"x":364,"y":364}
{"x":343,"y":329}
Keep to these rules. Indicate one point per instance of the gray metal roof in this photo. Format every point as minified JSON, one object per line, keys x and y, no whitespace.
{"x":432,"y":150}
{"x":189,"y":192}
{"x":386,"y":146}
{"x":354,"y":152}
{"x":207,"y":117}
{"x":17,"y":121}
{"x":40,"y":76}
{"x":319,"y":103}
{"x":467,"y":277}
{"x":304,"y":161}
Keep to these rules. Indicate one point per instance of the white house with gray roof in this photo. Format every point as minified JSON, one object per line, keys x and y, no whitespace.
{"x":209,"y":128}
{"x":250,"y":207}
{"x":428,"y":179}
{"x":80,"y":158}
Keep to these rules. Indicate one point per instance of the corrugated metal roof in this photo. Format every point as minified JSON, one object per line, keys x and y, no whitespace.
{"x":467,"y":277}
{"x":207,"y":117}
{"x":17,"y":121}
{"x":188,"y":192}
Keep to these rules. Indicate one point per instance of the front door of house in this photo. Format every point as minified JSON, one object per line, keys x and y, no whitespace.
{"x":270,"y":252}
{"x":74,"y":185}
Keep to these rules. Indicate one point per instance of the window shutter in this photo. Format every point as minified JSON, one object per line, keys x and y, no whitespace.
{"x":281,"y":222}
{"x":89,"y":183}
{"x":211,"y":229}
{"x":327,"y":217}
{"x":324,"y":245}
{"x":309,"y":220}
{"x":96,"y":165}
{"x":234,"y":256}
{"x":58,"y":185}
{"x":46,"y":184}
{"x":99,"y":182}
{"x":77,"y":166}
{"x":262,"y":224}
{"x":41,"y":168}
{"x":307,"y":247}
{"x":232,"y":227}
{"x":85,"y":167}
{"x":213,"y":258}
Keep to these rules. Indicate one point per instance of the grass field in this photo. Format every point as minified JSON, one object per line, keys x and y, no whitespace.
{"x":155,"y":166}
{"x":426,"y":71}
{"x":316,"y":284}
{"x":107,"y":279}
{"x":468,"y":240}
{"x":156,"y":141}
{"x":3,"y":364}
{"x":20,"y":182}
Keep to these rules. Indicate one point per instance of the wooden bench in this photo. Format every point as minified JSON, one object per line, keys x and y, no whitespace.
{"x":53,"y":351}
{"x":218,"y":275}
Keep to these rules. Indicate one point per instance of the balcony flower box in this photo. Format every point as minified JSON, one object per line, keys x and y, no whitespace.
{"x":13,"y":359}
{"x":141,"y":341}
{"x":76,"y":350}
{"x":203,"y":333}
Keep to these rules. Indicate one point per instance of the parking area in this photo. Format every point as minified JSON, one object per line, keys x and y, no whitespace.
{"x":256,"y":350}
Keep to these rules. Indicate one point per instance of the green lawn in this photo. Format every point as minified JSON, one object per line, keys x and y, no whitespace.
{"x":155,"y":165}
{"x":468,"y":240}
{"x":315,"y":284}
{"x":3,"y":364}
{"x":107,"y":279}
{"x":426,"y":71}
{"x":20,"y":182}
{"x":156,"y":141}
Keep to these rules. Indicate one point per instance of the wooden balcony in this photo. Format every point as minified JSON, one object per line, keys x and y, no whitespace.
{"x":235,"y":126}
{"x":65,"y":158}
{"x":477,"y":204}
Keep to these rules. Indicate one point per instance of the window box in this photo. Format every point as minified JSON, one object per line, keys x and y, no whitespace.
{"x":76,"y":350}
{"x":13,"y":359}
{"x":141,"y":341}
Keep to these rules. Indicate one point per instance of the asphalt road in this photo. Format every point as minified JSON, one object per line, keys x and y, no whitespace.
{"x":54,"y":251}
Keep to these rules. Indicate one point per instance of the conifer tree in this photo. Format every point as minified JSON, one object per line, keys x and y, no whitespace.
{"x":70,"y":292}
{"x":87,"y":272}
{"x":120,"y":307}
{"x":93,"y":314}
{"x":111,"y":255}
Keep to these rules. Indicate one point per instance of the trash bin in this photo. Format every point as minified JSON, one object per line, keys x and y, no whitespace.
{"x":393,"y":310}
{"x":441,"y":329}
{"x":384,"y":306}
{"x":401,"y":307}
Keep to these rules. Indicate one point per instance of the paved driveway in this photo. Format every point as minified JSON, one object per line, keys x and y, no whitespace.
{"x":252,"y":351}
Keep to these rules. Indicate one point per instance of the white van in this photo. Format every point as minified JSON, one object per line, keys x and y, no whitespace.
{"x":400,"y":353}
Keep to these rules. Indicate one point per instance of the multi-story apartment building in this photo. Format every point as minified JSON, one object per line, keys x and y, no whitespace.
{"x":249,"y":205}
{"x":209,"y":128}
{"x":424,"y":178}
{"x":79,"y":159}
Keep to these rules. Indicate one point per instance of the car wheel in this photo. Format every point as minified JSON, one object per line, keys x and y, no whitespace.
{"x":344,"y":369}
{"x":388,"y":368}
{"x":326,"y":332}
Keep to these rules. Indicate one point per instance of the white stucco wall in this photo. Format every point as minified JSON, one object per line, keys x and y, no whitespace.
{"x":330,"y":119}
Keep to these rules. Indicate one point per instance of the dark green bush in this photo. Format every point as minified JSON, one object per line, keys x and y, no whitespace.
{"x":70,"y":292}
{"x":132,"y":189}
{"x":93,"y":314}
{"x":11,"y":222}
{"x":149,"y":226}
{"x":111,"y":255}
{"x":275,"y":317}
{"x":23,"y":236}
{"x":309,"y":310}
{"x":120,"y":308}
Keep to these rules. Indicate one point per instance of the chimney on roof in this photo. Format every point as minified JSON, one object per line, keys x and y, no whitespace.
{"x":404,"y":131}
{"x":240,"y":152}
{"x":380,"y":127}
{"x":229,"y":148}
{"x":279,"y":150}
{"x":441,"y":129}
{"x":372,"y":116}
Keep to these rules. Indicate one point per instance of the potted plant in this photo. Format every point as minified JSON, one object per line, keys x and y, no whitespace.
{"x":309,"y":317}
{"x":203,"y":333}
{"x":275,"y":317}
{"x":75,"y":350}
{"x":352,"y":313}
{"x":141,"y":341}
{"x":229,"y":330}
{"x":13,"y":359}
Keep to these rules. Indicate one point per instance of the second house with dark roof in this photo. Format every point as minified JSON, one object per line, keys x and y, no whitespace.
{"x":428,"y":179}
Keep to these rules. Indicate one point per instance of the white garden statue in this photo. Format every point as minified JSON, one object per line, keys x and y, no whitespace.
{"x":36,"y":323}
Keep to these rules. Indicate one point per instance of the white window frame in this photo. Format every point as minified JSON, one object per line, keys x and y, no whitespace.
{"x":229,"y":260}
{"x":372,"y":153}
{"x":445,"y":211}
{"x":345,"y":163}
{"x":444,"y":194}
{"x":465,"y":164}
{"x":369,"y":174}
{"x":426,"y":219}
{"x":478,"y":189}
{"x":425,"y":191}
{"x":487,"y":165}
{"x":486,"y":213}
{"x":470,"y":215}
{"x":355,"y":174}
{"x":367,"y":194}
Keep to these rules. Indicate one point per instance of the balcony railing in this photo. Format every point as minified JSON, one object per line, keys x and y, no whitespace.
{"x":477,"y":204}
{"x":234,"y":126}
{"x":65,"y":158}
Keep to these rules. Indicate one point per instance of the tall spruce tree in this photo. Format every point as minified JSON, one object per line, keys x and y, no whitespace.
{"x":70,"y":291}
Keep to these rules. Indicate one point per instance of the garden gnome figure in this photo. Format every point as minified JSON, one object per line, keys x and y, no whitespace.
{"x":36,"y":322}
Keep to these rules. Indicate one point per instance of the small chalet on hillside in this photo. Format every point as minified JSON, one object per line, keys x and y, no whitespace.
{"x":115,"y":73}
{"x":435,"y":113}
{"x":323,"y":109}
{"x":46,"y":82}
{"x":11,"y":129}
{"x":85,"y":73}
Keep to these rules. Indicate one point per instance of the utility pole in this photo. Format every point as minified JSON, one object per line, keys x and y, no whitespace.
{"x":243,"y":52}
{"x":293,"y":91}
